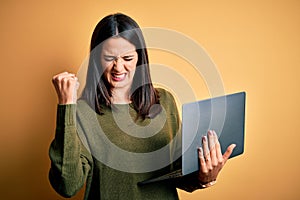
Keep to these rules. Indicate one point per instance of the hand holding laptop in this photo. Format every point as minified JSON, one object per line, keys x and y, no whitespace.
{"x":211,"y":159}
{"x":203,"y":156}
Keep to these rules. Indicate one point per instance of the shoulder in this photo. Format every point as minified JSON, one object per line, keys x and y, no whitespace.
{"x":82,"y":105}
{"x":165,"y":95}
{"x":166,"y":99}
{"x":84,"y":111}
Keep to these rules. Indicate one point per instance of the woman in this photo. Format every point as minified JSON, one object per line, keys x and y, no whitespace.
{"x":118,"y":86}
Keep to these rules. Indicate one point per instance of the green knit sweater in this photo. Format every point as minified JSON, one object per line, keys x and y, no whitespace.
{"x":80,"y":157}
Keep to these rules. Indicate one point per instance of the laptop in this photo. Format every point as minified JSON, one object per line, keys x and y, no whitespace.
{"x":224,"y":114}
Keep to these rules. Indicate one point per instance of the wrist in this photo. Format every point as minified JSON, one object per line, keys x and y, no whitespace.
{"x":66,"y":102}
{"x":209,"y":184}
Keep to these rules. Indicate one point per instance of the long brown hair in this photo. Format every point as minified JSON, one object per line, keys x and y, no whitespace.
{"x":97,"y":91}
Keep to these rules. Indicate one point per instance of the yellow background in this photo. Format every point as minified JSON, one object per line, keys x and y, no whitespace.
{"x":255,"y":44}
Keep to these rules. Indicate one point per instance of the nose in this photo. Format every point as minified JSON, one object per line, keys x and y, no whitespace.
{"x":118,"y":64}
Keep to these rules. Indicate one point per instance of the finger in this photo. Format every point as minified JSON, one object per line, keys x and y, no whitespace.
{"x":218,"y":148}
{"x":211,"y":140}
{"x":67,"y":76}
{"x":62,"y":77}
{"x":202,"y":162}
{"x":77,"y":83}
{"x":68,"y":80}
{"x":55,"y":77}
{"x":75,"y":90}
{"x":228,"y":152}
{"x":66,"y":85}
{"x":206,"y":152}
{"x":205,"y":146}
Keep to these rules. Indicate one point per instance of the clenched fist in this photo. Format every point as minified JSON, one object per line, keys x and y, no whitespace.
{"x":66,"y":85}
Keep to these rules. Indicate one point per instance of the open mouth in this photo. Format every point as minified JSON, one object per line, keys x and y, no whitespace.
{"x":118,"y":77}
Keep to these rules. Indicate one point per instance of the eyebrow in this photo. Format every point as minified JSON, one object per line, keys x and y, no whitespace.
{"x":128,"y":56}
{"x":109,"y":56}
{"x":112,"y":56}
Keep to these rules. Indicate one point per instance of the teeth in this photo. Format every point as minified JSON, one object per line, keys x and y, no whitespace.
{"x":119,"y":76}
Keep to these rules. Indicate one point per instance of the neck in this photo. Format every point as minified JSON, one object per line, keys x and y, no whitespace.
{"x":120,"y":96}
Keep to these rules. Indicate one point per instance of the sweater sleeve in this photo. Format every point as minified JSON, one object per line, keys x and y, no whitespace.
{"x":189,"y":182}
{"x":71,"y":162}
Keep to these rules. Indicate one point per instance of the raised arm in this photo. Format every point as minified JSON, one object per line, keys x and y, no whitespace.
{"x":71,"y":162}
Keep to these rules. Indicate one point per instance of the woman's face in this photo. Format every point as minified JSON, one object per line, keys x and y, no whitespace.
{"x":119,"y":59}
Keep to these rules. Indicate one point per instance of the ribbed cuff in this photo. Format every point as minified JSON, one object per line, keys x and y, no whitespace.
{"x":66,"y":115}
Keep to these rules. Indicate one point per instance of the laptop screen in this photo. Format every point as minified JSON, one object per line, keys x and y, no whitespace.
{"x":225,"y":115}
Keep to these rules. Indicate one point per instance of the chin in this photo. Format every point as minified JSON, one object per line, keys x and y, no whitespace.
{"x":118,"y":85}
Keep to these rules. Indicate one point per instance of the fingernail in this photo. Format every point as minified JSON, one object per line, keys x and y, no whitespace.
{"x":200,"y":151}
{"x":204,"y":138}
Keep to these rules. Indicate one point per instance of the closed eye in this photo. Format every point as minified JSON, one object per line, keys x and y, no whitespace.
{"x":128,"y":58}
{"x":109,"y":58}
